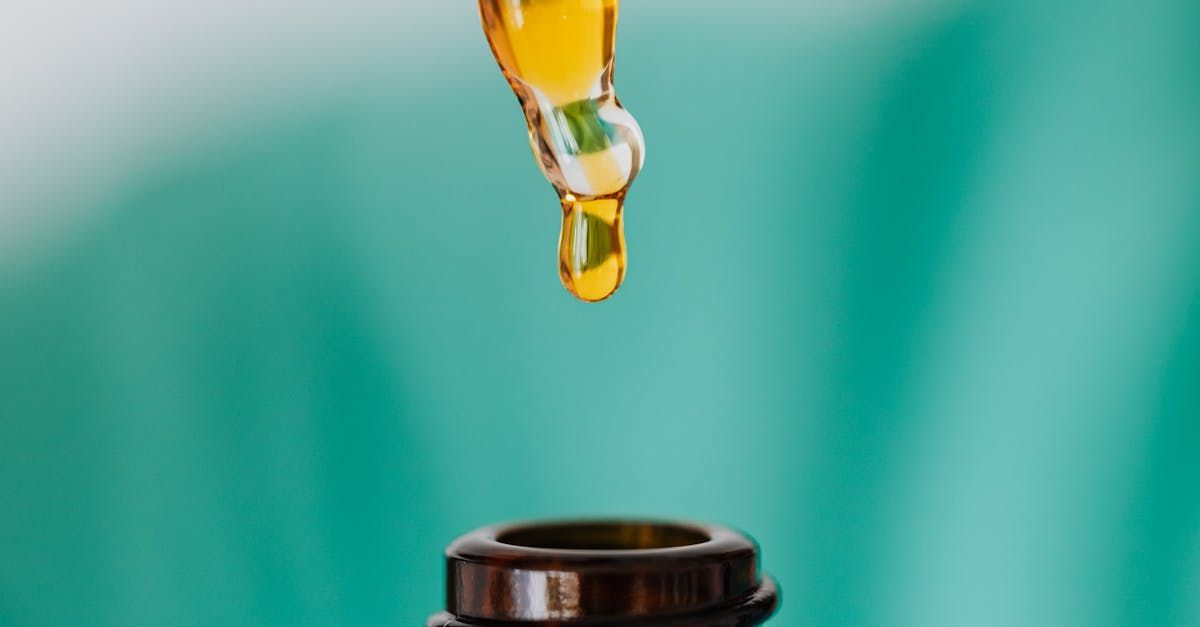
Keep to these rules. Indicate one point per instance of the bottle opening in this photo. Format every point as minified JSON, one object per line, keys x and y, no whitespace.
{"x":603,"y":536}
{"x":605,"y":572}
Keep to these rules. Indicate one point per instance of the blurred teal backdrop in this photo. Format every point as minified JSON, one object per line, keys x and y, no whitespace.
{"x":914,"y":298}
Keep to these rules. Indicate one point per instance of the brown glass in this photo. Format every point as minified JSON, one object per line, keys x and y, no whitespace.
{"x":606,"y":572}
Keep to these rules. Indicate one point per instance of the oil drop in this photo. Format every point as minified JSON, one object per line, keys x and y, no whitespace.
{"x":558,"y":58}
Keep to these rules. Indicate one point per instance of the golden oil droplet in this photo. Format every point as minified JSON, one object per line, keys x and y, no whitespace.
{"x":558,"y":58}
{"x":591,"y":247}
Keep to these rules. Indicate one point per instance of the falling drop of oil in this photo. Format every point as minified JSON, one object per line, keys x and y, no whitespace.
{"x":558,"y":58}
{"x":591,"y":247}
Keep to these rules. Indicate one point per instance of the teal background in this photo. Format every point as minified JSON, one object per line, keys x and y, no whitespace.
{"x":914,"y":298}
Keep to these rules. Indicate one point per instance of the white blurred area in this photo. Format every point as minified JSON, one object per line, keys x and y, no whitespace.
{"x":95,"y":92}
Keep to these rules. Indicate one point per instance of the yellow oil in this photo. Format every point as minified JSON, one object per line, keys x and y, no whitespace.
{"x":558,"y":46}
{"x":558,"y":58}
{"x":591,"y":247}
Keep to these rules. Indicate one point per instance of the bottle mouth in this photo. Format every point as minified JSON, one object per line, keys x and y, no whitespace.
{"x":612,"y":571}
{"x":603,"y":536}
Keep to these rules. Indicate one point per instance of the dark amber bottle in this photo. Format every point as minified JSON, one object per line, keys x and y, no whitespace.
{"x":618,"y":573}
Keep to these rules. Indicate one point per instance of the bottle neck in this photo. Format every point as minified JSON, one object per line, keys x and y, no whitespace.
{"x":618,"y":573}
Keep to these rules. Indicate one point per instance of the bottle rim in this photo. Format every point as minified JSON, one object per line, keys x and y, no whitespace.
{"x":623,"y":570}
